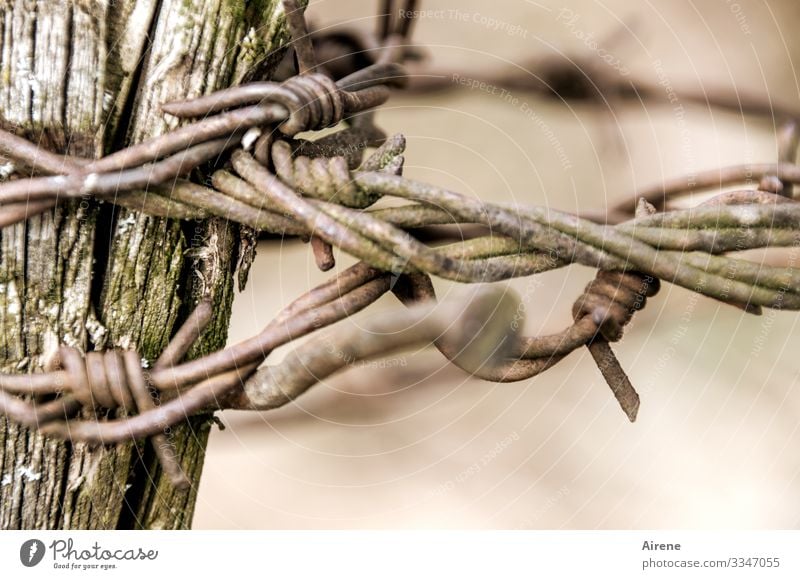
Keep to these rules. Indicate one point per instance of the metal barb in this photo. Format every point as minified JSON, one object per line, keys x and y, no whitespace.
{"x":321,"y":190}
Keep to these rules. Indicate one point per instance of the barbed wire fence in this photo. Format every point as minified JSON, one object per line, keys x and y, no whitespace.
{"x":262,"y":176}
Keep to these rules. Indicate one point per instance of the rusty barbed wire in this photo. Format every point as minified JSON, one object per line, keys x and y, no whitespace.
{"x":585,"y":77}
{"x":266,"y":178}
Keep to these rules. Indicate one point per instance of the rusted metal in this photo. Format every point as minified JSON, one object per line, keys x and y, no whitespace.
{"x":321,"y":190}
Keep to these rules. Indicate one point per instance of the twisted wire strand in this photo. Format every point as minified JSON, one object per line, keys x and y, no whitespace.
{"x":113,"y":379}
{"x":312,"y":101}
{"x":737,"y":228}
{"x":324,"y":178}
{"x":569,"y":238}
{"x":304,"y":102}
{"x":600,"y":313}
{"x":301,"y":42}
{"x":395,"y":20}
{"x":562,"y":237}
{"x":579,"y":334}
{"x":658,"y":195}
{"x":478,"y":334}
{"x":584,"y":330}
{"x":347,"y":293}
{"x":733,"y":239}
{"x":318,"y":190}
{"x":767,"y":235}
{"x":318,"y":308}
{"x":207,"y":383}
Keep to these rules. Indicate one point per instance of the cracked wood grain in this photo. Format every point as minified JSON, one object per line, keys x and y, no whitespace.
{"x":83,"y":77}
{"x":46,"y":262}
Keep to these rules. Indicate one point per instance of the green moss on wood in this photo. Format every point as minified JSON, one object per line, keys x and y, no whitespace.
{"x":147,"y":271}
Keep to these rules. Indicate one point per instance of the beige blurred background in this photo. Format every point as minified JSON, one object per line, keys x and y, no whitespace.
{"x":411,"y":442}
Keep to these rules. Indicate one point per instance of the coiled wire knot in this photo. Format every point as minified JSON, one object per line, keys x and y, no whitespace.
{"x":110,"y":379}
{"x":323,"y":178}
{"x":115,"y":379}
{"x":313,"y":101}
{"x":611,"y":299}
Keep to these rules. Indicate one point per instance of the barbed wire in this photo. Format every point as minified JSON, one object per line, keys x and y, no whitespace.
{"x":263,"y":177}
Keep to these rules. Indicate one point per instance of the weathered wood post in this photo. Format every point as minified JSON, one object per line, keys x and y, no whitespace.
{"x":86,"y":77}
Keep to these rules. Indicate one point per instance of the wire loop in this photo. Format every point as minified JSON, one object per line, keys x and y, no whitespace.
{"x":319,"y":189}
{"x":611,"y":299}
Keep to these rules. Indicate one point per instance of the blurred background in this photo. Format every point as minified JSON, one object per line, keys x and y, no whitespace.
{"x":411,"y":442}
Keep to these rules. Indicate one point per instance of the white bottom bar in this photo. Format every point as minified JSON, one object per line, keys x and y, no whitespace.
{"x":617,"y":554}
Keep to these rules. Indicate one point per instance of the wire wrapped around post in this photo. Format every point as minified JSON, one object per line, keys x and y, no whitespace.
{"x":263,"y":176}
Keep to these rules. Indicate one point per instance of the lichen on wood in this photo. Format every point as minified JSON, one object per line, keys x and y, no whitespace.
{"x":92,"y":275}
